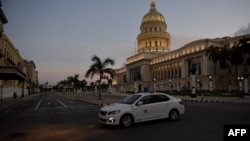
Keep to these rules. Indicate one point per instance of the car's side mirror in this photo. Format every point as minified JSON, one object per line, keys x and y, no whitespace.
{"x":139,"y":103}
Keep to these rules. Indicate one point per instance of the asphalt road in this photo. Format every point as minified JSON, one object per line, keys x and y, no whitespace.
{"x":51,"y":117}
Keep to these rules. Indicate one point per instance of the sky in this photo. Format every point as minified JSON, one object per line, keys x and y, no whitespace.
{"x":61,"y":36}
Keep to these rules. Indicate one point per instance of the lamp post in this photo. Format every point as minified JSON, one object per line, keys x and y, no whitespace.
{"x":240,"y":83}
{"x":192,"y":70}
{"x":198,"y":84}
{"x":135,"y":87}
{"x":210,"y":83}
{"x":154,"y":86}
{"x":110,"y":85}
{"x":170,"y":85}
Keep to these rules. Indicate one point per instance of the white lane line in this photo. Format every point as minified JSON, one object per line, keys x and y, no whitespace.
{"x":37,"y":106}
{"x":61,"y":102}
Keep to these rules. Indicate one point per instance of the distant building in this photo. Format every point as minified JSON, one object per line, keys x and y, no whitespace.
{"x":157,"y":67}
{"x":32,"y":76}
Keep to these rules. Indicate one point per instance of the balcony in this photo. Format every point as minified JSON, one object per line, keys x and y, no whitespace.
{"x":11,"y":73}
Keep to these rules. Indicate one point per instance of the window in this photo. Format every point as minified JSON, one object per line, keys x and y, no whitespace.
{"x":160,"y":98}
{"x":130,"y":99}
{"x":147,"y":99}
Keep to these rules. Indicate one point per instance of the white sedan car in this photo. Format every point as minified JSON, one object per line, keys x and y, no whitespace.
{"x":142,"y":107}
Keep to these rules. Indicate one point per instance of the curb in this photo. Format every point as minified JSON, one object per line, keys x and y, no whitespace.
{"x":101,"y":104}
{"x":205,"y":101}
{"x":187,"y":100}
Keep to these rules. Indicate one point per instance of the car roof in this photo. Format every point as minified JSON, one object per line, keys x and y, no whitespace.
{"x":147,"y":93}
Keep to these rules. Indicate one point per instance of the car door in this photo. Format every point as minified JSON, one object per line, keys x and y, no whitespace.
{"x":161,"y":105}
{"x":144,"y":109}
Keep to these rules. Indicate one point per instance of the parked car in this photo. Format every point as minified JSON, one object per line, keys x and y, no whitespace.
{"x":142,"y":107}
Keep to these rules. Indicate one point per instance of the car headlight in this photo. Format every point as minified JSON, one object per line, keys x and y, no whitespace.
{"x":113,"y":112}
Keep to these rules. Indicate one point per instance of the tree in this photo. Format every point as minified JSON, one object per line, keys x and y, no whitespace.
{"x":236,"y":58}
{"x":213,"y":55}
{"x":244,"y":47}
{"x":99,"y":67}
{"x":61,"y":85}
{"x":73,"y":80}
{"x":224,"y":57}
{"x":83,"y":84}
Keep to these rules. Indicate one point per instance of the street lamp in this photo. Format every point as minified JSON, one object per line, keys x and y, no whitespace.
{"x":198,"y":84}
{"x":170,"y":84}
{"x":154,"y":86}
{"x":210,"y":83}
{"x":110,"y":84}
{"x":240,"y":82}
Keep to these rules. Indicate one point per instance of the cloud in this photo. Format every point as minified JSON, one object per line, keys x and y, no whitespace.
{"x":243,"y":30}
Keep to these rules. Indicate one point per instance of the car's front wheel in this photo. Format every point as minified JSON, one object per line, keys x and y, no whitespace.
{"x":126,"y":120}
{"x":173,"y":115}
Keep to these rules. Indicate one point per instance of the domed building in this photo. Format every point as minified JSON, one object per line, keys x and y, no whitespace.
{"x":153,"y":37}
{"x":155,"y":67}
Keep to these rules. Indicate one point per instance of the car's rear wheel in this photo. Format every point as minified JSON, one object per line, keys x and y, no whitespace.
{"x":173,"y":115}
{"x":126,"y":120}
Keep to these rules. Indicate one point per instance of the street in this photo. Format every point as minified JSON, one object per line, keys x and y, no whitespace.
{"x":52,"y":116}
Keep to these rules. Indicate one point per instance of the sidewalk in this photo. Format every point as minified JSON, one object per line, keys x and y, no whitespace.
{"x":215,"y":99}
{"x":9,"y":102}
{"x":93,"y":98}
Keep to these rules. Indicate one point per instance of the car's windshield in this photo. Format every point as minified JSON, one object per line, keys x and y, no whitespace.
{"x":130,"y":99}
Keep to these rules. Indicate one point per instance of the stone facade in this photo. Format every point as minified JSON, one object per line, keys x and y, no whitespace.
{"x":157,"y":67}
{"x":16,"y":74}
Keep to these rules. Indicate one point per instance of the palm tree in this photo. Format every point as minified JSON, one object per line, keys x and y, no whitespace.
{"x":244,"y":47}
{"x":99,"y":67}
{"x":213,"y":55}
{"x":73,"y":80}
{"x":92,"y":86}
{"x":224,"y":57}
{"x":236,"y":57}
{"x":83,"y":84}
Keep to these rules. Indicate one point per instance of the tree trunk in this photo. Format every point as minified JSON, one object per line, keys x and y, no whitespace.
{"x":99,"y":94}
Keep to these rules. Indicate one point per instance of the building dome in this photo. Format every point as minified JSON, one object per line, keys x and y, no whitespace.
{"x":153,"y":37}
{"x":153,"y":15}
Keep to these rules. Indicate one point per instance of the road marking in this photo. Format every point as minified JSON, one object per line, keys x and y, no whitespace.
{"x":38,"y":104}
{"x":61,"y":102}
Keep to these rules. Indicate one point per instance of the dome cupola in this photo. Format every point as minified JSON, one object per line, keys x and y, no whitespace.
{"x":153,"y":15}
{"x":153,"y":37}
